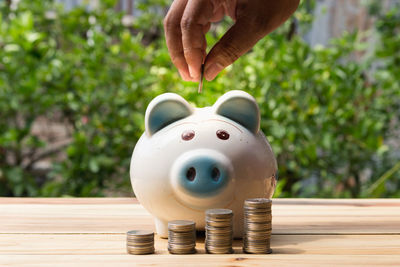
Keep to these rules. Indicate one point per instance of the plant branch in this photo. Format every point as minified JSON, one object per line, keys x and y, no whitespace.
{"x":383,"y":178}
{"x":47,"y":152}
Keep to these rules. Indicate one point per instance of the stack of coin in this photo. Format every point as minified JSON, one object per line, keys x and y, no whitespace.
{"x":181,"y":237}
{"x":219,"y":233}
{"x":140,"y":242}
{"x":257,"y":226}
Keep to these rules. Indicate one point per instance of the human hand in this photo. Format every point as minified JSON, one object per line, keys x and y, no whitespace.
{"x":188,"y":21}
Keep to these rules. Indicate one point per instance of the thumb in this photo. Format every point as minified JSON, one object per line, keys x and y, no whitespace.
{"x":239,"y":39}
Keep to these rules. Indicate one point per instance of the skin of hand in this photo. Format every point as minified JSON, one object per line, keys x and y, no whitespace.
{"x":188,"y":21}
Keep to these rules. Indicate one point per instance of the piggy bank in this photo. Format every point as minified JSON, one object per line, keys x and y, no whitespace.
{"x":192,"y":159}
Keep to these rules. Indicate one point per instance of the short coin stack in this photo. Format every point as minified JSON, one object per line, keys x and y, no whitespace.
{"x":257,"y":226}
{"x":219,"y":233}
{"x":181,"y":237}
{"x":140,"y":242}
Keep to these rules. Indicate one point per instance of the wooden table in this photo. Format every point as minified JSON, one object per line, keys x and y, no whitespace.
{"x":91,"y":232}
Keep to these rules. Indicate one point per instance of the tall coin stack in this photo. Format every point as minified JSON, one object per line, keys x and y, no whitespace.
{"x":219,"y":233}
{"x":140,"y":242}
{"x":181,"y":237}
{"x":257,"y":226}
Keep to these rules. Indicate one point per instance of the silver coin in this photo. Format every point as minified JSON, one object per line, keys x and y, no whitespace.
{"x":139,"y":233}
{"x":181,"y":225}
{"x":219,"y":234}
{"x":140,"y":242}
{"x":219,"y":213}
{"x":258,"y":202}
{"x":132,"y":244}
{"x":201,"y":78}
{"x":257,"y":226}
{"x":176,"y":251}
{"x":139,"y":251}
{"x":181,"y":237}
{"x":211,"y":250}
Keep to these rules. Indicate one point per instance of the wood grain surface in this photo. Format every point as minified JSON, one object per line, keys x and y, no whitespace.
{"x":91,"y":232}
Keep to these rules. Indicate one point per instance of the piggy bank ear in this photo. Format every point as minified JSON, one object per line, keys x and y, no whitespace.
{"x":164,"y":110}
{"x":240,"y":107}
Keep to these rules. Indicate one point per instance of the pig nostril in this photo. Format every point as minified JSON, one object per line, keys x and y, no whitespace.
{"x":191,"y":174}
{"x":215,"y":174}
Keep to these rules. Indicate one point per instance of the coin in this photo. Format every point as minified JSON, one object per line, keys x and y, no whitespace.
{"x":258,"y":203}
{"x":219,"y":214}
{"x":139,"y":233}
{"x":219,"y":233}
{"x":140,"y":242}
{"x":182,"y":237}
{"x":201,"y":79}
{"x":181,"y":225}
{"x":257,"y":226}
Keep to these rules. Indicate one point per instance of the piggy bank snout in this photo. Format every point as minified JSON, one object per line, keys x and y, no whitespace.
{"x":201,"y":174}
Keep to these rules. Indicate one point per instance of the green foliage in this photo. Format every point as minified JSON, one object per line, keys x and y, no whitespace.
{"x":85,"y":67}
{"x":326,"y":118}
{"x":387,"y":78}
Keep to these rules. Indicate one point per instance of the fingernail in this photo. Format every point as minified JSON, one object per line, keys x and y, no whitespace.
{"x":212,"y":71}
{"x":193,"y":73}
{"x":184,"y":75}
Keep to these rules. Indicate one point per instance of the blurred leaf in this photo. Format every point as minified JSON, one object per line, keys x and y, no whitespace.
{"x":331,"y":119}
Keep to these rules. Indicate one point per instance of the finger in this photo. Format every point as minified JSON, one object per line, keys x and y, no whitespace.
{"x":236,"y":41}
{"x":230,"y":8}
{"x":173,"y":37}
{"x":206,"y":28}
{"x":254,"y":20}
{"x":196,"y":16}
{"x":218,"y":14}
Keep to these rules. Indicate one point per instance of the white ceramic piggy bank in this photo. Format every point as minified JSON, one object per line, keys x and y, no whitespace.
{"x":193,"y":159}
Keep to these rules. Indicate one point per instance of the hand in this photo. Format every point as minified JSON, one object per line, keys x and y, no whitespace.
{"x":188,"y":21}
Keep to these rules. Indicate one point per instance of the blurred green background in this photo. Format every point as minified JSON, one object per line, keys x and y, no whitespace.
{"x":75,"y":83}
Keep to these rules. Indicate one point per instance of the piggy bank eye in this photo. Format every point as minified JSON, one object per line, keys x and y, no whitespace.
{"x":188,"y":135}
{"x":222,"y":134}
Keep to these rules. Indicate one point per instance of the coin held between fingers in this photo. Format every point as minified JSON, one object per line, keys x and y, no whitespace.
{"x":201,"y":78}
